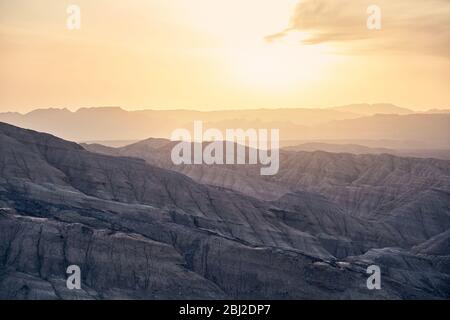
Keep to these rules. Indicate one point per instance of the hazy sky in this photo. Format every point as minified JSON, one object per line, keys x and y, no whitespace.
{"x":217,"y":54}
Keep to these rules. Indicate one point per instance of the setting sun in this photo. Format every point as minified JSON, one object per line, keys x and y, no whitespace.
{"x":278,"y":66}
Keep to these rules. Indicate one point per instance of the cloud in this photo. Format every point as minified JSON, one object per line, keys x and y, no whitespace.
{"x":417,"y":25}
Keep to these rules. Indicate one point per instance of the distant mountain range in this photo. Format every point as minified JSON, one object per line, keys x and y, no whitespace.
{"x":417,"y":130}
{"x":372,"y":109}
{"x":361,"y":149}
{"x":413,"y":131}
{"x":139,"y":229}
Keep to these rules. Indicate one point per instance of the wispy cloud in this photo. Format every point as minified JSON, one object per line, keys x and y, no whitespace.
{"x":417,"y":25}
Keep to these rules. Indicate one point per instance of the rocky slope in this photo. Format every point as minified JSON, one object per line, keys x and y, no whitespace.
{"x":361,"y":185}
{"x":144,"y":232}
{"x":443,"y":154}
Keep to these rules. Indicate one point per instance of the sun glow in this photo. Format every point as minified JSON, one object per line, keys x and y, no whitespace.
{"x":278,"y":66}
{"x":217,"y":54}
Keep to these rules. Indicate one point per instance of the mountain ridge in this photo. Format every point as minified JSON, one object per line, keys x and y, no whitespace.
{"x":139,"y":231}
{"x":295,"y":124}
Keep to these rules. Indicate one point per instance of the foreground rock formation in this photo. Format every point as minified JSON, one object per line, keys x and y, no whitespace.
{"x":146,"y":232}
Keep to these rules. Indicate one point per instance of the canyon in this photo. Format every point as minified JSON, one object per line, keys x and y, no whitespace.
{"x":142,"y":231}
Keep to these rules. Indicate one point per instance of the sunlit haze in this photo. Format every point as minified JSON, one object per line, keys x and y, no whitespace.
{"x":216,"y":54}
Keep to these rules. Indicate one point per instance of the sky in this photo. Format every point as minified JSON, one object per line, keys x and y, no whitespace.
{"x":216,"y":54}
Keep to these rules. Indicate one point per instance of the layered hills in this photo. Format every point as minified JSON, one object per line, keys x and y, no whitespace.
{"x":139,"y":229}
